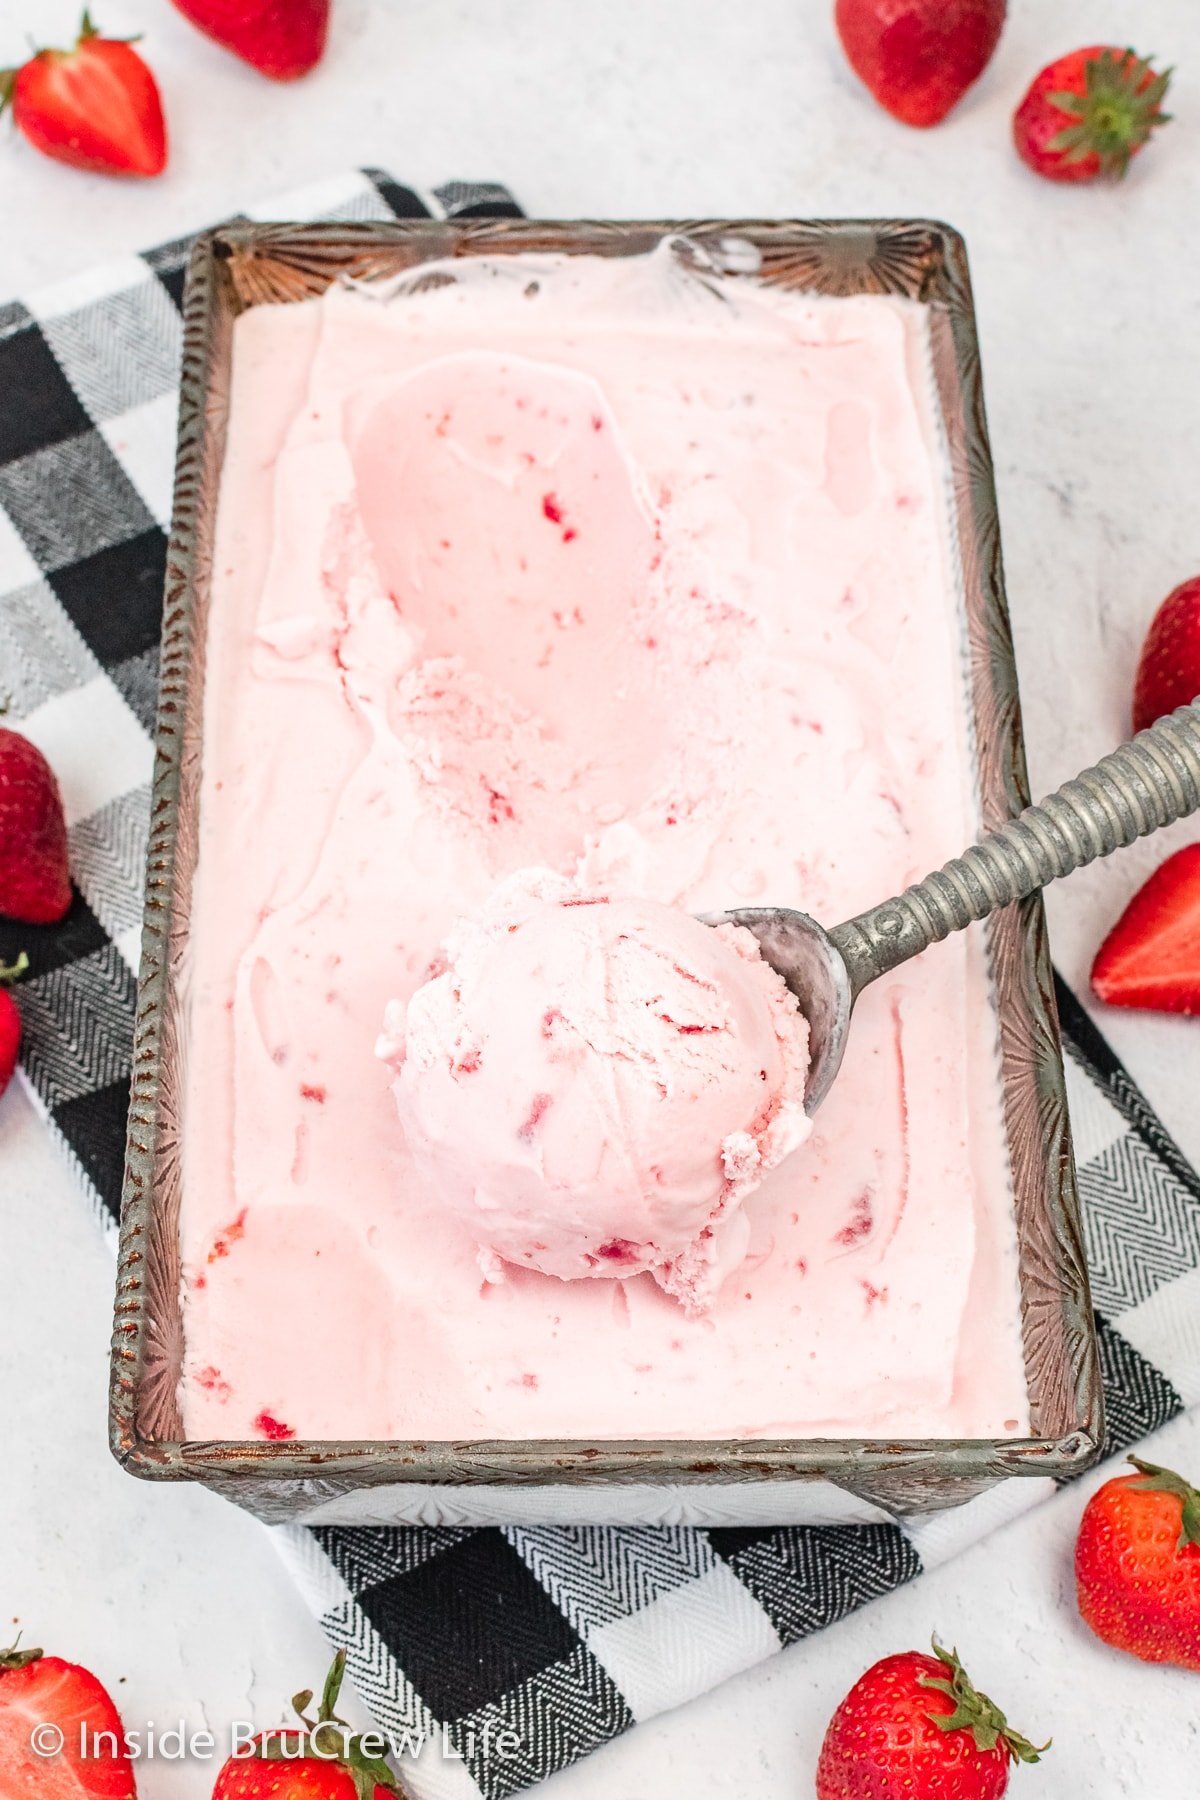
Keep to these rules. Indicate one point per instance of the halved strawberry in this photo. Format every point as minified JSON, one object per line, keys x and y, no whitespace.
{"x":1168,"y":671}
{"x":95,"y":106}
{"x":1151,"y":957}
{"x":42,"y":1697}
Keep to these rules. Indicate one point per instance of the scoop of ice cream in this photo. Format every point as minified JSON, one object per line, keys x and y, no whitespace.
{"x":595,"y":1084}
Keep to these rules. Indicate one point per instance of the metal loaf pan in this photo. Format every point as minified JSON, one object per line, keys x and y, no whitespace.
{"x":671,"y":1481}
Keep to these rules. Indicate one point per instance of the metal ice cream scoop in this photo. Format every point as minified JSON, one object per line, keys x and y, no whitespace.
{"x":1149,"y":782}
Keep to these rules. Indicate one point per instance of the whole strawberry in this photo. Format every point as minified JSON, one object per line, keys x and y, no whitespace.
{"x":35,"y":882}
{"x":914,"y":1726}
{"x":42,"y":1697}
{"x":1137,"y":1565}
{"x":1088,"y":114}
{"x":10,"y":1020}
{"x":1151,"y":957}
{"x":322,"y":1760}
{"x":95,"y":106}
{"x":919,"y":57}
{"x":280,"y":38}
{"x":1168,"y":671}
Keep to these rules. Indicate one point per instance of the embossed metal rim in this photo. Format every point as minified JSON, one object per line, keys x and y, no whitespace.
{"x":245,"y":265}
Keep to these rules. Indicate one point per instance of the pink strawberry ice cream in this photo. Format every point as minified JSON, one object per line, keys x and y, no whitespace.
{"x":642,"y":574}
{"x":594,"y":1085}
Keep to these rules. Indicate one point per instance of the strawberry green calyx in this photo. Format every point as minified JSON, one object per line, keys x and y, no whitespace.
{"x":1120,"y":106}
{"x":328,"y":1739}
{"x":87,"y":31}
{"x":1166,"y":1481}
{"x":10,"y":972}
{"x":15,"y":1658}
{"x":975,"y":1713}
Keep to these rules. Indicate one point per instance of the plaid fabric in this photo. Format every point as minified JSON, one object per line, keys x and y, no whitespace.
{"x":561,"y":1637}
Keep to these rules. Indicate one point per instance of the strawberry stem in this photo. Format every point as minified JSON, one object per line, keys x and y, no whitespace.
{"x":13,"y":1658}
{"x":367,"y":1772}
{"x":1120,"y":106}
{"x":88,"y":31}
{"x":333,"y":1686}
{"x":1166,"y":1481}
{"x":13,"y":972}
{"x":975,"y":1713}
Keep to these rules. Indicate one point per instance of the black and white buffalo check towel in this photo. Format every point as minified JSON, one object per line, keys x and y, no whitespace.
{"x":557,"y":1637}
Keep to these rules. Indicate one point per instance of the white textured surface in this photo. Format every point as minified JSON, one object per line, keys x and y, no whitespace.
{"x":1088,"y":306}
